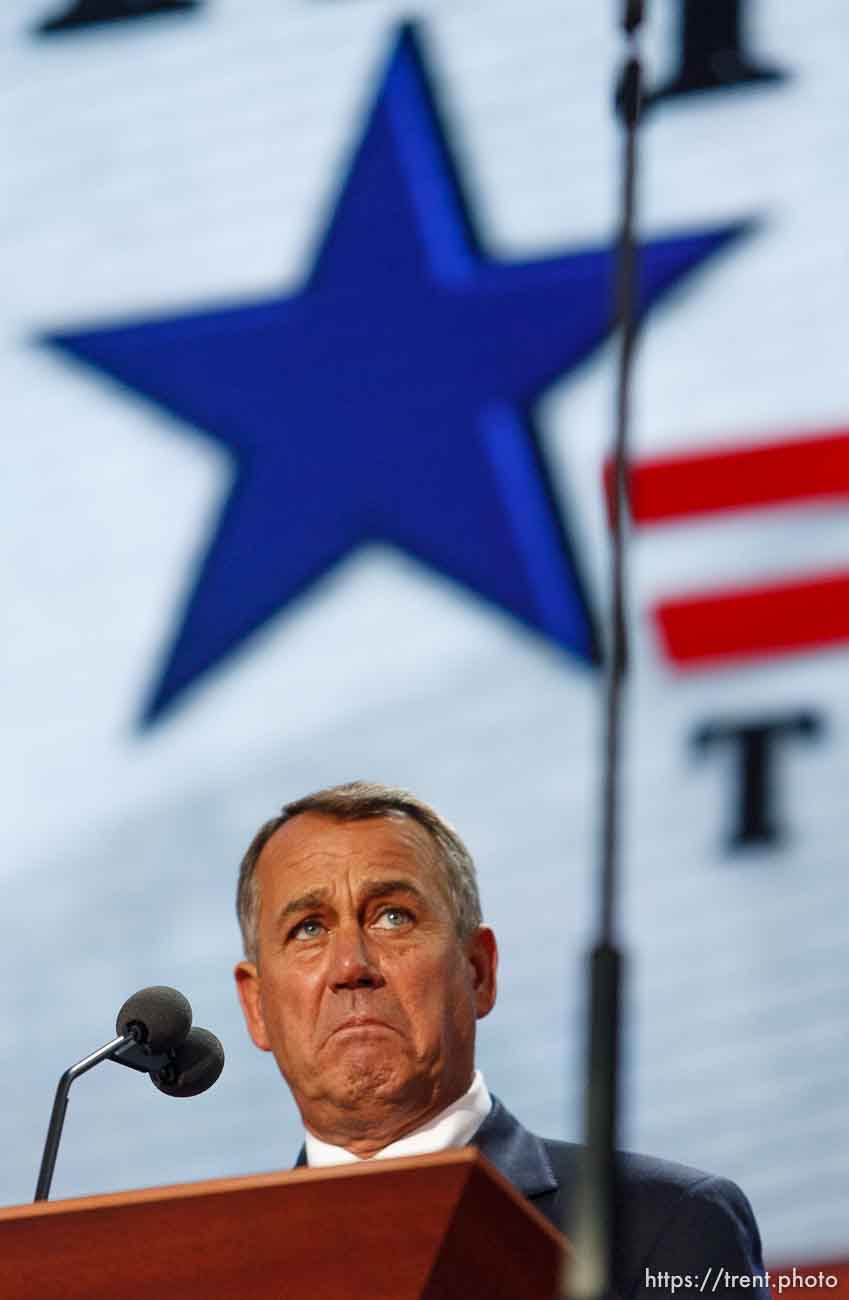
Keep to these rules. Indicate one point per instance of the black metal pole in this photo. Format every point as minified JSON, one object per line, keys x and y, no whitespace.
{"x":60,"y":1106}
{"x":588,"y":1275}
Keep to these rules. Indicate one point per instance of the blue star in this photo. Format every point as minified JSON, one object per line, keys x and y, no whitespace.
{"x":389,"y":399}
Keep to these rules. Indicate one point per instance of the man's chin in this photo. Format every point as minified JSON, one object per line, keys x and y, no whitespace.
{"x":364,"y":1078}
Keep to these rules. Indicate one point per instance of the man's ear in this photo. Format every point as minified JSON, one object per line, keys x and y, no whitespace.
{"x":482,"y":955}
{"x":248,"y":989}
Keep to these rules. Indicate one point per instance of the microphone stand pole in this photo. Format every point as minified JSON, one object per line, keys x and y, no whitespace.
{"x":588,"y":1274}
{"x":126,"y":1049}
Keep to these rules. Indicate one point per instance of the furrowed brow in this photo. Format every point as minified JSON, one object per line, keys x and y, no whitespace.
{"x":383,"y":888}
{"x":372,"y":889}
{"x":303,"y":903}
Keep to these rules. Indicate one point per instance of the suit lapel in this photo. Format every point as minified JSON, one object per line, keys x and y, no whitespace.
{"x":518,"y":1154}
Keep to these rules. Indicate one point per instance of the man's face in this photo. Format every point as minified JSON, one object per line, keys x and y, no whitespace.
{"x":362,"y":990}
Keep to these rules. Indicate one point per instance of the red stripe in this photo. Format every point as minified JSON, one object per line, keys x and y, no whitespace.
{"x":697,"y":483}
{"x":755,"y":621}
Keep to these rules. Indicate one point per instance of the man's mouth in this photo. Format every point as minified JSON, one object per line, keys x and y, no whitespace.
{"x":361,"y":1022}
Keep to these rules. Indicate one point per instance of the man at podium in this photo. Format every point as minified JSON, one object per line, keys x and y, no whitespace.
{"x":366,"y":969}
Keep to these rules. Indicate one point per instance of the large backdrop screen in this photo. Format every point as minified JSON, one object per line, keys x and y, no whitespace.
{"x":308,"y":396}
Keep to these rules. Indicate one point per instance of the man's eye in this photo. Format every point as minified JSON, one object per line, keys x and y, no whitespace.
{"x":392,"y":918}
{"x":308,"y":929}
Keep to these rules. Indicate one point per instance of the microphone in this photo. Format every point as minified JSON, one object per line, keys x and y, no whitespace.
{"x":155,"y":1036}
{"x":159,"y":1018}
{"x":196,"y":1065}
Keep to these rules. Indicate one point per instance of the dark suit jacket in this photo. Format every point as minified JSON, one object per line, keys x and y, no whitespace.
{"x":677,"y":1222}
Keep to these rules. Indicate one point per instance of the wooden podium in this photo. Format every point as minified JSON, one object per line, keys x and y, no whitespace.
{"x":441,"y":1227}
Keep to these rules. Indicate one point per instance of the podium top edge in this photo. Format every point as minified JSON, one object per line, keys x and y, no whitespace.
{"x":454,"y":1157}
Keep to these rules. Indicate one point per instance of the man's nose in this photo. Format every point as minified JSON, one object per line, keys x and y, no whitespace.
{"x":351,"y":963}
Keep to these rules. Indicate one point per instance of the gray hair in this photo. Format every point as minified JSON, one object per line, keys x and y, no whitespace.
{"x":357,"y":801}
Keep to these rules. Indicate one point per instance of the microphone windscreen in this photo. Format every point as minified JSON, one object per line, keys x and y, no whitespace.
{"x":195,"y":1067}
{"x":160,"y":1017}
